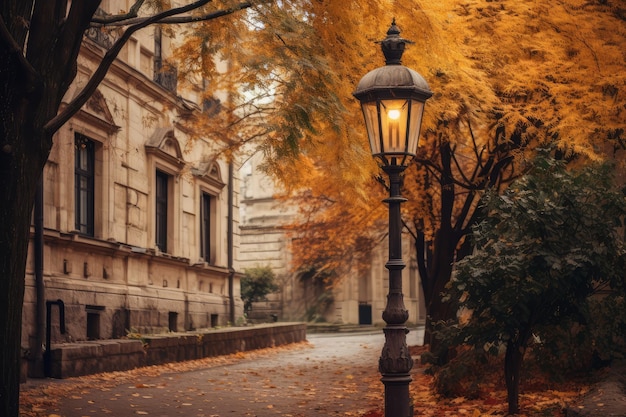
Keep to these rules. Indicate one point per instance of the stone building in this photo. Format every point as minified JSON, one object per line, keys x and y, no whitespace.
{"x":263,"y":241}
{"x":139,"y":230}
{"x":359,"y":299}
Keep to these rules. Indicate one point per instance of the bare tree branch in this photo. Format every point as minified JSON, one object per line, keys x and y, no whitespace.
{"x":15,"y":49}
{"x":108,"y":59}
{"x":172,"y":20}
{"x":460,"y":169}
{"x":461,"y":219}
{"x":132,"y":13}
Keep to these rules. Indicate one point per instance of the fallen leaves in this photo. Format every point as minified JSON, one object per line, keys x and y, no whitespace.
{"x":536,"y":401}
{"x":314,"y":385}
{"x":39,"y":397}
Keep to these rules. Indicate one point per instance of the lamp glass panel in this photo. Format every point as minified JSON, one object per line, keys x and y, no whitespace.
{"x":370,"y":112}
{"x":394,"y":118}
{"x":417,"y":110}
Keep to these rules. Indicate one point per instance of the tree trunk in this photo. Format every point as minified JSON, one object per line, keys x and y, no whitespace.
{"x":23,"y":151}
{"x":436,"y":309}
{"x":18,"y":179}
{"x":14,"y":237}
{"x":458,"y":213}
{"x":512,"y":366}
{"x":438,"y":266}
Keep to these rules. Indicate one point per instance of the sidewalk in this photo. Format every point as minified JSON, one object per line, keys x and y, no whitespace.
{"x":607,"y":397}
{"x":331,"y":375}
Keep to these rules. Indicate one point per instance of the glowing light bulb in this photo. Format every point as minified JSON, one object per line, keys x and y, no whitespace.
{"x":394,"y":114}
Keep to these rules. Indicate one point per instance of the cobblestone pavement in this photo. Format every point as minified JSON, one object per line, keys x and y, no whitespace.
{"x":332,"y":375}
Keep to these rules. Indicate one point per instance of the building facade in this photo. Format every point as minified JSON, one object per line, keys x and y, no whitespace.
{"x":139,"y":234}
{"x":263,"y":242}
{"x":360,"y":298}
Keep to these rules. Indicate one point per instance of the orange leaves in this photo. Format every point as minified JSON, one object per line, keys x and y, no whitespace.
{"x":553,"y":65}
{"x":41,"y":398}
{"x":336,"y":227}
{"x":491,"y":401}
{"x":308,"y":384}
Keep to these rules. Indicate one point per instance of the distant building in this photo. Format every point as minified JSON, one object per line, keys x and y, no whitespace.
{"x":359,"y":299}
{"x":135,"y":215}
{"x":263,"y":239}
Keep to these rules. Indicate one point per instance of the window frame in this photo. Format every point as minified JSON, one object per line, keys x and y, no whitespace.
{"x":162,"y":210}
{"x":208,"y":206}
{"x":84,"y":185}
{"x":164,"y":154}
{"x":209,"y":185}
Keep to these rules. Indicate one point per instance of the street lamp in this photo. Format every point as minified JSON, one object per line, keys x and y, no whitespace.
{"x":392,"y":99}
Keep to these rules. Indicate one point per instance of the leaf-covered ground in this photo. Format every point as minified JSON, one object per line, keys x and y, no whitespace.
{"x":540,"y":396}
{"x":326,"y":386}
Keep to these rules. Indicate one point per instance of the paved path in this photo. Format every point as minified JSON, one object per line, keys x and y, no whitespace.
{"x":334,"y":375}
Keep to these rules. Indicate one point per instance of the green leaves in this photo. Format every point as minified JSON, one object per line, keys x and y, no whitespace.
{"x":546,"y":243}
{"x":256,"y":284}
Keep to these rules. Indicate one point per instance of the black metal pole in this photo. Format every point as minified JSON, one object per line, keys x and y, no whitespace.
{"x":395,"y":361}
{"x":230,"y":244}
{"x":37,"y":370}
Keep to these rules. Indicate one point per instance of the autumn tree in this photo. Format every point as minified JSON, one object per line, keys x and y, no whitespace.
{"x":453,"y":180}
{"x":264,"y":49}
{"x":531,"y":86}
{"x":507,"y":77}
{"x":547,"y":243}
{"x":280,"y":90}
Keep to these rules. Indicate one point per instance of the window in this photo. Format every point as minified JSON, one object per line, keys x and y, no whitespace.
{"x":206,"y":229}
{"x":84,"y":173}
{"x":166,"y":161}
{"x":93,"y":321}
{"x":93,"y":325}
{"x":172,"y":321}
{"x":162,"y":184}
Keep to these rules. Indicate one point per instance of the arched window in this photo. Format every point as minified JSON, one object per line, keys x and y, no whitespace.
{"x":210,"y":183}
{"x":167,"y":162}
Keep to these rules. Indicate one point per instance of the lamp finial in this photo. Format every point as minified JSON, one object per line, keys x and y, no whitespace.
{"x":393,"y":45}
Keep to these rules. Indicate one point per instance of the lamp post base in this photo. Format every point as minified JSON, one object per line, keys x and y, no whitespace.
{"x":395,"y":365}
{"x":397,"y":398}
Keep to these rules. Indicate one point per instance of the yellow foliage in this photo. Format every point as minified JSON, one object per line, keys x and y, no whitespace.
{"x":503,"y":72}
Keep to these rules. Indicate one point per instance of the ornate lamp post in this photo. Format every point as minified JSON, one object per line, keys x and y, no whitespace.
{"x":392,"y":98}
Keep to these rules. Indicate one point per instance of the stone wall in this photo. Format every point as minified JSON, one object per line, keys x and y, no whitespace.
{"x":76,"y":359}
